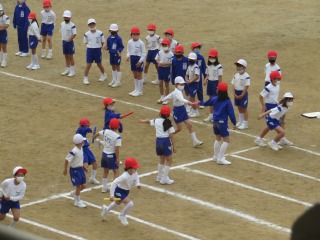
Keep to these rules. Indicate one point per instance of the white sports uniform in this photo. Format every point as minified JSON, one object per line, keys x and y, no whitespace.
{"x":177,"y":98}
{"x":125,"y":181}
{"x":16,"y":192}
{"x":4,"y":20}
{"x":269,"y":68}
{"x":93,"y":39}
{"x":278,"y":112}
{"x":271,"y":93}
{"x":240,"y":81}
{"x":136,"y":48}
{"x":192,"y":71}
{"x":213,"y":72}
{"x":67,"y":30}
{"x":75,"y":158}
{"x":164,"y":57}
{"x":33,"y":30}
{"x":48,"y":17}
{"x":153,"y":42}
{"x":158,"y":124}
{"x":111,"y":139}
{"x":173,"y":45}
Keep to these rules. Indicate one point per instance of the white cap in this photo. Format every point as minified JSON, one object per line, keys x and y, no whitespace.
{"x":77,"y":138}
{"x":67,"y":14}
{"x":192,"y":56}
{"x":242,"y":62}
{"x":15,"y":170}
{"x":114,"y":27}
{"x":179,"y":80}
{"x":91,"y":20}
{"x":1,"y":8}
{"x":288,"y":95}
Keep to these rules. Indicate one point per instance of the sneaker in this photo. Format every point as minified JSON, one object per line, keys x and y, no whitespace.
{"x":94,"y":181}
{"x":43,"y":55}
{"x":71,"y":74}
{"x":3,"y":64}
{"x":104,"y":190}
{"x":136,"y":94}
{"x":111,"y":83}
{"x":155,"y":82}
{"x":79,"y":204}
{"x":273,"y":145}
{"x":158,"y":178}
{"x":201,"y":106}
{"x":243,"y":126}
{"x":116,"y":84}
{"x":30,"y":66}
{"x":35,"y":67}
{"x":18,"y":53}
{"x":86,"y":81}
{"x":259,"y":142}
{"x":133,"y":92}
{"x":24,"y":54}
{"x":49,"y":56}
{"x":103,"y":77}
{"x":123,"y":219}
{"x":285,"y":141}
{"x":165,"y":102}
{"x":66,"y":72}
{"x":159,"y":101}
{"x":104,"y":212}
{"x":197,"y":143}
{"x":279,"y":146}
{"x":223,"y":161}
{"x":238,"y":124}
{"x":167,"y":181}
{"x":194,"y":114}
{"x":214,"y":158}
{"x":208,"y":119}
{"x":188,"y":108}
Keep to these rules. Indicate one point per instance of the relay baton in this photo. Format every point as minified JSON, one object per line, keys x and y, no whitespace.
{"x":94,"y":133}
{"x":127,"y":114}
{"x":115,"y":199}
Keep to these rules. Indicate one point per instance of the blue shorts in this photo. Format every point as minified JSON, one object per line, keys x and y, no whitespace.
{"x":68,"y":48}
{"x":94,"y":55}
{"x":272,"y":123}
{"x":46,"y":29}
{"x":121,"y":193}
{"x":133,"y":61}
{"x":115,"y":59}
{"x":212,"y":88}
{"x":5,"y":205}
{"x":220,"y":127}
{"x":163,"y":146}
{"x":186,"y":88}
{"x":3,"y":37}
{"x":88,"y":156}
{"x":270,"y":106}
{"x":164,"y":74}
{"x":243,"y":103}
{"x":151,"y":55}
{"x":77,"y":176}
{"x":193,"y":88}
{"x":180,"y":114}
{"x":33,"y":42}
{"x":109,"y":161}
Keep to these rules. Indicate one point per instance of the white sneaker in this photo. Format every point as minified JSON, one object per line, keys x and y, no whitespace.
{"x":223,"y":161}
{"x":194,"y":114}
{"x":243,"y":126}
{"x":279,"y":146}
{"x":259,"y":142}
{"x":94,"y":181}
{"x":166,"y":180}
{"x":104,"y":212}
{"x":66,"y":72}
{"x":133,"y":92}
{"x":103,"y":77}
{"x":116,"y":84}
{"x":159,"y":101}
{"x":238,"y":124}
{"x":214,"y":158}
{"x":273,"y":145}
{"x":208,"y":119}
{"x":18,"y":53}
{"x":111,"y":83}
{"x":158,"y":178}
{"x":3,"y":64}
{"x":43,"y":55}
{"x":201,"y":106}
{"x":86,"y":81}
{"x":24,"y":54}
{"x":197,"y":143}
{"x":35,"y":67}
{"x":49,"y":56}
{"x":79,"y":204}
{"x":71,"y":74}
{"x":136,"y":94}
{"x":155,"y":82}
{"x":123,"y":219}
{"x":30,"y":66}
{"x":104,"y":190}
{"x":188,"y":108}
{"x":285,"y":141}
{"x":165,"y":102}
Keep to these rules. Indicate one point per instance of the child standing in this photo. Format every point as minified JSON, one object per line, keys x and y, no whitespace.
{"x":4,"y":24}
{"x":110,"y":113}
{"x":47,"y":27}
{"x":222,"y":111}
{"x":179,"y":64}
{"x":110,"y":158}
{"x":274,"y":117}
{"x":76,"y":170}
{"x":271,"y":66}
{"x":193,"y":79}
{"x":153,"y":42}
{"x":164,"y":61}
{"x":115,"y":47}
{"x":180,"y":114}
{"x":34,"y":38}
{"x":88,"y":157}
{"x":14,"y":189}
{"x":136,"y":53}
{"x":68,"y":33}
{"x":214,"y":74}
{"x":120,"y":188}
{"x":164,"y":143}
{"x":21,"y":23}
{"x":94,"y":39}
{"x":240,"y":84}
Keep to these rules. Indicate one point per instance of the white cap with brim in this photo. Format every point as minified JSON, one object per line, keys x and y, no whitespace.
{"x":179,"y":80}
{"x":288,"y":95}
{"x":114,"y":27}
{"x":91,"y":20}
{"x":242,"y":62}
{"x":77,"y":138}
{"x":67,"y":14}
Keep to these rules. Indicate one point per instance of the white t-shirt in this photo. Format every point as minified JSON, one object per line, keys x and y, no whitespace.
{"x":177,"y":98}
{"x":240,"y":81}
{"x":67,"y":30}
{"x":173,"y":45}
{"x":269,"y":68}
{"x":33,"y":30}
{"x":158,"y":124}
{"x":136,"y":48}
{"x":213,"y":72}
{"x":48,"y":17}
{"x":111,"y":140}
{"x":93,"y":39}
{"x":192,"y":71}
{"x":4,"y":20}
{"x":153,"y":42}
{"x":75,"y":157}
{"x":16,"y":192}
{"x":271,"y":93}
{"x":278,"y":112}
{"x":164,"y":57}
{"x":125,"y":181}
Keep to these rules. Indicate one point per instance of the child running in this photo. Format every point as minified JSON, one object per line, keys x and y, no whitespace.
{"x":4,"y":24}
{"x":34,"y":38}
{"x":164,"y":143}
{"x":14,"y":189}
{"x":120,"y":188}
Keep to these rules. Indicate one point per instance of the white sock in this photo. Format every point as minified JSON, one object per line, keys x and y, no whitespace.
{"x":50,"y":51}
{"x":241,"y":117}
{"x":145,"y":76}
{"x":77,"y":198}
{"x":93,"y":174}
{"x":32,"y":61}
{"x":135,"y":85}
{"x":126,"y":208}
{"x":166,"y":171}
{"x":35,"y":59}
{"x":140,"y":85}
{"x":114,"y":76}
{"x":71,"y":68}
{"x":119,"y":74}
{"x":4,"y":57}
{"x":160,"y":169}
{"x":223,"y":149}
{"x":111,"y":206}
{"x":1,"y":55}
{"x":104,"y":182}
{"x":245,"y":122}
{"x":216,"y":148}
{"x":12,"y":223}
{"x":44,"y":51}
{"x":193,"y":136}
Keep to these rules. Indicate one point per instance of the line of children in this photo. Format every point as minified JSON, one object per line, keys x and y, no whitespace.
{"x":34,"y":38}
{"x":4,"y":24}
{"x":193,"y":81}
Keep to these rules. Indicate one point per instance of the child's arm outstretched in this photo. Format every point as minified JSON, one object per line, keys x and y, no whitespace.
{"x":263,"y":114}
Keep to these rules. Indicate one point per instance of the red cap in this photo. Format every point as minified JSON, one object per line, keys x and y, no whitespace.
{"x":213,"y":53}
{"x":32,"y":15}
{"x":194,"y":45}
{"x":19,"y":169}
{"x":135,"y":30}
{"x":84,"y":122}
{"x":165,"y":41}
{"x":46,"y":3}
{"x":131,"y":163}
{"x":107,"y":101}
{"x":274,"y":75}
{"x":179,"y":48}
{"x":223,"y":87}
{"x":272,"y":54}
{"x":169,"y":31}
{"x":114,"y":123}
{"x":152,"y":27}
{"x":165,"y":110}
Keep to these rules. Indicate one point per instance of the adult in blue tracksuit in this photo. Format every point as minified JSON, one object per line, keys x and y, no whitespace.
{"x":223,"y":110}
{"x":21,"y":23}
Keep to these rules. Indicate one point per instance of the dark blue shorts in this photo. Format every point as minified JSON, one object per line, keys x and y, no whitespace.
{"x":4,"y":37}
{"x":272,"y":123}
{"x":88,"y":156}
{"x":115,"y":59}
{"x":270,"y":106}
{"x":77,"y":176}
{"x":33,"y":42}
{"x":164,"y":74}
{"x":133,"y":61}
{"x":46,"y":29}
{"x":121,"y":193}
{"x":5,"y":206}
{"x":151,"y":55}
{"x":243,"y":103}
{"x":163,"y":146}
{"x":221,"y":128}
{"x":180,"y":114}
{"x":94,"y":55}
{"x":212,"y":88}
{"x":109,"y":161}
{"x":193,"y":88}
{"x":68,"y":48}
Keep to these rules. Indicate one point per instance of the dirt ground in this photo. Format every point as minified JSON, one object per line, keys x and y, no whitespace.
{"x":40,"y":111}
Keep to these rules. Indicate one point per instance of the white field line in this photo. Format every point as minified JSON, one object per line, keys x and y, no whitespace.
{"x":275,"y":167}
{"x":156,"y":226}
{"x":51,"y":229}
{"x":247,"y":186}
{"x":220,"y":208}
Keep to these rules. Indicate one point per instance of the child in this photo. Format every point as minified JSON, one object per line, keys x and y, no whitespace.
{"x":47,"y":27}
{"x":240,"y":84}
{"x":14,"y":189}
{"x":214,"y":74}
{"x":164,"y":59}
{"x":179,"y":64}
{"x":21,"y":23}
{"x":153,"y":42}
{"x":4,"y":24}
{"x":179,"y":111}
{"x":196,"y":47}
{"x":110,"y":158}
{"x":110,"y":113}
{"x":68,"y":33}
{"x":274,"y":117}
{"x":76,"y":170}
{"x":271,"y":66}
{"x":136,"y":53}
{"x":94,"y":39}
{"x":115,"y":47}
{"x":193,"y":79}
{"x":88,"y":157}
{"x":34,"y":38}
{"x":164,"y":143}
{"x":121,"y":187}
{"x":222,"y":110}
